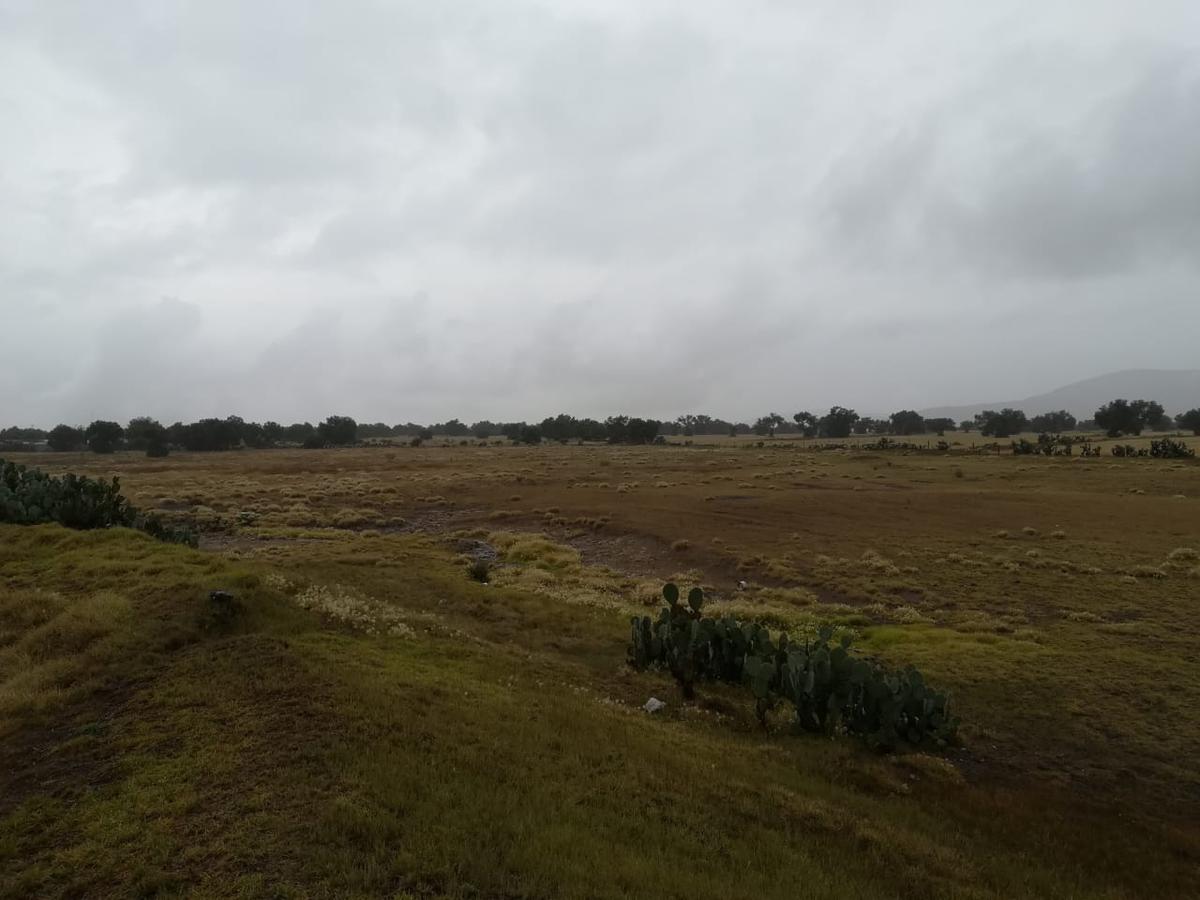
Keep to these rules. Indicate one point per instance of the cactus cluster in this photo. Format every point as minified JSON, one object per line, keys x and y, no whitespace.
{"x":676,"y":640}
{"x":28,"y":497}
{"x":831,"y":689}
{"x":1060,"y":445}
{"x":31,"y":497}
{"x":1163,"y":448}
{"x":1054,"y":445}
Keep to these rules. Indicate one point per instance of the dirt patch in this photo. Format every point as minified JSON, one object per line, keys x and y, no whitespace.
{"x":629,"y":554}
{"x":222,"y":542}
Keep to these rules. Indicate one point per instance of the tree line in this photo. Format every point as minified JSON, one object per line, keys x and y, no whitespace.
{"x":1116,"y":418}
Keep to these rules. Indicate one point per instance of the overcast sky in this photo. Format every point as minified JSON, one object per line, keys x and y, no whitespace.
{"x":413,"y":211}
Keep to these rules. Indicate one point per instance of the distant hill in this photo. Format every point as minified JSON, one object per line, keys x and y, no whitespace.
{"x":1176,"y":389}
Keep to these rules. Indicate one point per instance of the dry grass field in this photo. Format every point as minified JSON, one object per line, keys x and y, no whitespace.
{"x":375,"y":723}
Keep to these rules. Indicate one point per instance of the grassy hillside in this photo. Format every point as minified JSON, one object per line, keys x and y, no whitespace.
{"x":374,"y":723}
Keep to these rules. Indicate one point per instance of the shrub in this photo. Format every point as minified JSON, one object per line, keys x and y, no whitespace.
{"x":157,"y":449}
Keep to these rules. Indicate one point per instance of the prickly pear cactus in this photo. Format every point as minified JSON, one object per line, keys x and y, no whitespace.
{"x":830,"y":688}
{"x":31,"y":497}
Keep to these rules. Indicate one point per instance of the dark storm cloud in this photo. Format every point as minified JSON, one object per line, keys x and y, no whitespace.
{"x":493,"y":209}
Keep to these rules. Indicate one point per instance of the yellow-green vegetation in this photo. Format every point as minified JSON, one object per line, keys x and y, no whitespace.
{"x":377,"y":722}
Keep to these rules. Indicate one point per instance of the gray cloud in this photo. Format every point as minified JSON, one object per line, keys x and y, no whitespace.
{"x":413,"y":211}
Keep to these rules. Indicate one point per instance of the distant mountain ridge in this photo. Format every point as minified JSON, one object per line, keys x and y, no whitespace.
{"x":1176,"y":389}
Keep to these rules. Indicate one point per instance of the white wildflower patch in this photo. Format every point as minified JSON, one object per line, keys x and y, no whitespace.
{"x":354,"y":608}
{"x":875,"y":562}
{"x":277,"y":582}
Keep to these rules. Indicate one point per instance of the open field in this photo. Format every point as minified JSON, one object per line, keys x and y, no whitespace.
{"x":374,"y":723}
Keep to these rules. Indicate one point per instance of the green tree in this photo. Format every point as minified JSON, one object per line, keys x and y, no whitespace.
{"x":1053,"y":422}
{"x":372,"y":430}
{"x":451,"y":428}
{"x":64,"y":438}
{"x":1189,"y":421}
{"x":157,"y":444}
{"x":691,"y":425}
{"x":207,"y":435}
{"x":1002,"y":424}
{"x":103,"y":437}
{"x":562,"y":427}
{"x":1118,"y":417}
{"x":139,"y":432}
{"x":643,"y":431}
{"x":868,"y":425}
{"x":907,"y":421}
{"x":338,"y":431}
{"x":766,"y":425}
{"x":838,"y":422}
{"x":807,"y":423}
{"x":591,"y":430}
{"x":23,"y":435}
{"x":297,"y":432}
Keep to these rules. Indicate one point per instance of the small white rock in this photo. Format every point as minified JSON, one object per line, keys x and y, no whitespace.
{"x":653,"y":705}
